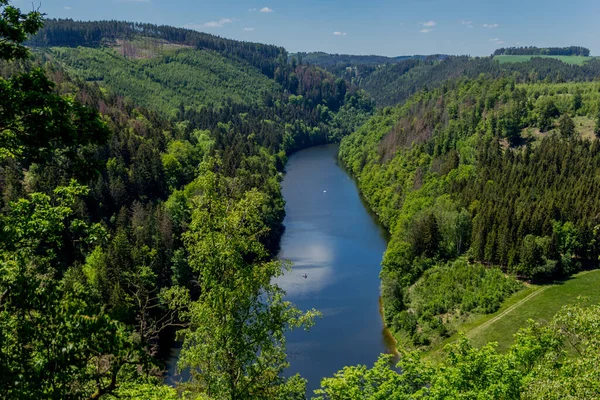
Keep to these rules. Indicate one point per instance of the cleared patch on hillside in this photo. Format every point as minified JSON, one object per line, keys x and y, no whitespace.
{"x":584,"y":126}
{"x":537,"y":302}
{"x":540,"y":307}
{"x":145,"y":48}
{"x":573,"y":60}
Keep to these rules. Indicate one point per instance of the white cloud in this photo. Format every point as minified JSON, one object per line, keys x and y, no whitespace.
{"x":266,"y":10}
{"x":248,"y":29}
{"x":210,"y":24}
{"x":429,"y":23}
{"x":465,"y":22}
{"x":491,"y":26}
{"x":336,"y":33}
{"x":426,"y":30}
{"x":497,"y":41}
{"x":67,"y":7}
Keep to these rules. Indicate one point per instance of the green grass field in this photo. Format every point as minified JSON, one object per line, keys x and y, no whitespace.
{"x":575,"y":60}
{"x":539,"y":303}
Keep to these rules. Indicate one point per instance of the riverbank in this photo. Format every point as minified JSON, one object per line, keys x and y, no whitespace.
{"x":336,"y":246}
{"x":332,"y":238}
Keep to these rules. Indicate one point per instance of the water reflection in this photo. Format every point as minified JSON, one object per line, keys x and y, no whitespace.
{"x":312,"y":271}
{"x":332,"y":239}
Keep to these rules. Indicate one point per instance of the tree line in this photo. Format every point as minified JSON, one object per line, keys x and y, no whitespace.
{"x":70,"y":33}
{"x":543,"y":51}
{"x":393,"y":83}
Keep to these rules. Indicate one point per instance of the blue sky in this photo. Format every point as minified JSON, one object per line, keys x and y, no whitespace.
{"x":386,"y":27}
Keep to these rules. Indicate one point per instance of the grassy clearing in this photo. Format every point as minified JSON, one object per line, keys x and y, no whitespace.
{"x":575,"y":60}
{"x":584,"y":126}
{"x":539,"y":303}
{"x":541,"y":308}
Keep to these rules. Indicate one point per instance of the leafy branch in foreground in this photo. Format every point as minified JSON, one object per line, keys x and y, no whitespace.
{"x":557,"y":361}
{"x":235,"y":343}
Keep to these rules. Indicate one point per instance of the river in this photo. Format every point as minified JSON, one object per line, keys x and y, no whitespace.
{"x":331,"y":237}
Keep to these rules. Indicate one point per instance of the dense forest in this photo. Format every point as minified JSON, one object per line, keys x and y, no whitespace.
{"x":477,"y":170}
{"x":543,"y":51}
{"x":342,"y":64}
{"x":393,"y":83}
{"x":123,"y":223}
{"x":327,"y":60}
{"x":141,"y":200}
{"x":69,"y":33}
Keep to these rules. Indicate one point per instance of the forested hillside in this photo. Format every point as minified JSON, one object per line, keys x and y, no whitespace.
{"x":392,"y":83}
{"x":476,"y":173}
{"x":69,"y":33}
{"x":285,"y":105}
{"x":140,"y":201}
{"x":544,"y":51}
{"x":327,"y":60}
{"x":123,"y":223}
{"x":344,"y":64}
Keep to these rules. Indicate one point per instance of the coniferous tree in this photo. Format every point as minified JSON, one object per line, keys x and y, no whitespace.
{"x":566,"y":126}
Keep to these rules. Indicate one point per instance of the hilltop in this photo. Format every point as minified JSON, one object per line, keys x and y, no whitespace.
{"x":391,"y":81}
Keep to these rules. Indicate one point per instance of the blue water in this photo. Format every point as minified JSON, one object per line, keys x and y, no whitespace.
{"x":331,"y":237}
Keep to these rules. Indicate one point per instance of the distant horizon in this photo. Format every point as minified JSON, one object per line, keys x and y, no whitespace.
{"x":381,"y":27}
{"x":329,"y":53}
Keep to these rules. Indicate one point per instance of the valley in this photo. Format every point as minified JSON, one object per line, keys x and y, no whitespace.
{"x":190,"y":216}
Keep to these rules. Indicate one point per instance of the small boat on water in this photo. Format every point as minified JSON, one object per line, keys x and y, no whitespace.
{"x":304,"y":276}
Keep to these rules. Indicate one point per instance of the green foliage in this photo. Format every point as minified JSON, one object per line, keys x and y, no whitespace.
{"x":458,"y":170}
{"x":566,"y":127}
{"x":146,"y":391}
{"x":455,"y":291}
{"x":392,"y":81}
{"x":70,"y":33}
{"x":15,"y":27}
{"x":54,"y":342}
{"x":94,"y":272}
{"x":540,"y":365}
{"x":235,"y":343}
{"x":555,"y":51}
{"x":191,"y":77}
{"x":379,"y":382}
{"x":291,"y":108}
{"x":35,"y":122}
{"x":567,"y":60}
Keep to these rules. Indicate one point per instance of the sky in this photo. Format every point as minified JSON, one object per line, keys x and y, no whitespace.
{"x":383,"y":27}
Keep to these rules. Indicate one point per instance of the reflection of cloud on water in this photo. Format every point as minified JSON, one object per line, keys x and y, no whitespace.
{"x":296,"y":285}
{"x":315,"y":261}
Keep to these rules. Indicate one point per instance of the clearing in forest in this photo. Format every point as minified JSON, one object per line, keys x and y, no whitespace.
{"x":539,"y":303}
{"x":575,"y":60}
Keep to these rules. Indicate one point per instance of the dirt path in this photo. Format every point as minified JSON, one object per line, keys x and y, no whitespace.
{"x":507,"y":311}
